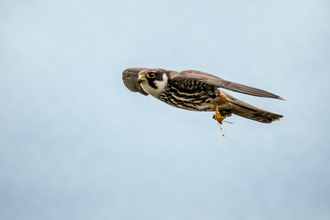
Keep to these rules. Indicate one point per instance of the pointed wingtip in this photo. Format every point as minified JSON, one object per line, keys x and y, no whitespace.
{"x":130,"y":76}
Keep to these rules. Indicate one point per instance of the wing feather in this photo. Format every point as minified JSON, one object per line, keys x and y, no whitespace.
{"x":130,"y":77}
{"x":221,"y":83}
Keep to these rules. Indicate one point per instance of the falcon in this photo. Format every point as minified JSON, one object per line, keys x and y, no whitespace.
{"x":198,"y":91}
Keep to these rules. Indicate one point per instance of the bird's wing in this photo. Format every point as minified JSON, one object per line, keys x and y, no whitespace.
{"x":130,"y":77}
{"x":221,"y":83}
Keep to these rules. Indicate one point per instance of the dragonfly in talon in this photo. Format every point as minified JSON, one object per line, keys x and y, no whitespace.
{"x":198,"y":91}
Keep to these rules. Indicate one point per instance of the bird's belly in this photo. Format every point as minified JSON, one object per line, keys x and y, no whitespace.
{"x":189,"y":102}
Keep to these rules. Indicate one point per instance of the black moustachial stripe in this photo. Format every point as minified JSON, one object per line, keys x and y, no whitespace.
{"x":157,"y":77}
{"x":152,"y":84}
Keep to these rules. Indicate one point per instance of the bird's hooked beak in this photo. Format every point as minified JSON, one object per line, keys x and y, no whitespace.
{"x":141,"y":78}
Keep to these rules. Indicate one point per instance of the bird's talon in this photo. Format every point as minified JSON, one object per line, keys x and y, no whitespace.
{"x":219,"y":118}
{"x":218,"y":115}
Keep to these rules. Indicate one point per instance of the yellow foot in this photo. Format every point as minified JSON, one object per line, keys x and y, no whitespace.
{"x":218,"y":116}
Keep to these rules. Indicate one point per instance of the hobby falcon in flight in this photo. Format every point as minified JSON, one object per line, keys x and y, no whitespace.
{"x":198,"y":91}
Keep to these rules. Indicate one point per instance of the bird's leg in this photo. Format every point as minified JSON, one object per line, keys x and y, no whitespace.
{"x":218,"y":116}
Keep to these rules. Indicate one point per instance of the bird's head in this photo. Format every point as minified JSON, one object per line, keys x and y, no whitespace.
{"x":153,"y":81}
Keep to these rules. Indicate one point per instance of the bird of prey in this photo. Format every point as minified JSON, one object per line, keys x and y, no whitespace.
{"x":198,"y":91}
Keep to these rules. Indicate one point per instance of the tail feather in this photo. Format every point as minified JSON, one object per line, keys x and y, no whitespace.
{"x":245,"y":110}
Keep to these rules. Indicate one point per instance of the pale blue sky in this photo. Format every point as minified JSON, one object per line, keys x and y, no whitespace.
{"x":76,"y":144}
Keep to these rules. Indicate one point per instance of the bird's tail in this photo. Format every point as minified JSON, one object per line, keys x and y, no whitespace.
{"x":245,"y":110}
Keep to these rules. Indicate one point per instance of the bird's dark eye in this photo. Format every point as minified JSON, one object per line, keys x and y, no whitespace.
{"x":150,"y":75}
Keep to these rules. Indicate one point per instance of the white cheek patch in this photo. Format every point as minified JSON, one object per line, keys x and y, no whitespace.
{"x":161,"y":85}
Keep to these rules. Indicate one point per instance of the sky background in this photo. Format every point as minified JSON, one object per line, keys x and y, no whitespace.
{"x":75,"y":143}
